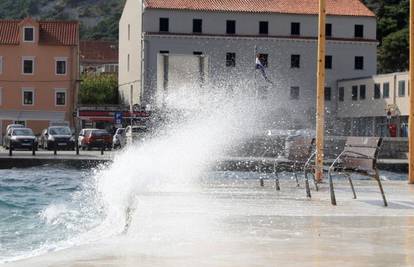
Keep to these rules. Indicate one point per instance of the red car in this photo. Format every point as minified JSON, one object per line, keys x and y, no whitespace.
{"x":97,"y":139}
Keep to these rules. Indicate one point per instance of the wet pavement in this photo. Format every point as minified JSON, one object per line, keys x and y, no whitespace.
{"x":233,"y":221}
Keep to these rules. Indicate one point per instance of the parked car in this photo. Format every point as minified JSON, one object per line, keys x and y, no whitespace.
{"x":135,"y":134}
{"x":8,"y":129}
{"x":59,"y":136}
{"x":20,"y":138}
{"x":119,"y":139}
{"x":82,"y":135}
{"x":97,"y":139}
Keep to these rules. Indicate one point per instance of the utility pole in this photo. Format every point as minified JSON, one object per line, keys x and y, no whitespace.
{"x":320,"y":94}
{"x":411,"y":101}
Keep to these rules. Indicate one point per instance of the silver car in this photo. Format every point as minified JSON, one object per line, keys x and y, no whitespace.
{"x":20,"y":138}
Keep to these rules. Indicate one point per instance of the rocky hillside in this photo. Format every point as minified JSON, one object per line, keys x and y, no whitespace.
{"x":99,"y":18}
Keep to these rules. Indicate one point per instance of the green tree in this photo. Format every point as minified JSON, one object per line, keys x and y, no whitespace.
{"x":99,"y":89}
{"x":393,"y":53}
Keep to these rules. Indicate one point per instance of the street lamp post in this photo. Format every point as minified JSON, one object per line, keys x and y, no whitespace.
{"x":320,"y":94}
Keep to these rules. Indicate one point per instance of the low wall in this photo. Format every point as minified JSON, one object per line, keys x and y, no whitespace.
{"x":272,"y":146}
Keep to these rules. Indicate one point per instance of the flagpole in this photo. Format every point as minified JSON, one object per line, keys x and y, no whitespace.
{"x":255,"y":72}
{"x":320,"y":95}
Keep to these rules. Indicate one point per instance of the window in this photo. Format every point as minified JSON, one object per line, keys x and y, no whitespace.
{"x":263,"y":27}
{"x":327,"y":93}
{"x":61,"y":66}
{"x":164,"y":25}
{"x":295,"y":28}
{"x":60,"y":97}
{"x":377,"y":91}
{"x":231,"y":60}
{"x":328,"y":62}
{"x":401,"y":88}
{"x":164,"y":52}
{"x":294,"y":93}
{"x":1,"y":64}
{"x":128,"y":59}
{"x":341,"y":94}
{"x":328,"y":30}
{"x":28,"y":34}
{"x":28,"y":65}
{"x":197,"y":26}
{"x":197,"y":53}
{"x":362,"y":92}
{"x":359,"y":63}
{"x":354,"y":92}
{"x":264,"y":59}
{"x":231,"y":27}
{"x":386,"y":90}
{"x":359,"y":31}
{"x":129,"y":32}
{"x":295,"y":61}
{"x":28,"y":97}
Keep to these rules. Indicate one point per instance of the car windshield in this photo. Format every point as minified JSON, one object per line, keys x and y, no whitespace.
{"x":22,"y":132}
{"x":60,"y":131}
{"x":100,"y":133}
{"x":139,"y":130}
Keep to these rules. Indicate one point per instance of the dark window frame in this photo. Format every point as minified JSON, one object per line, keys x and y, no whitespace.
{"x":264,"y":27}
{"x":231,"y":59}
{"x":386,"y":93}
{"x":26,"y":33}
{"x":362,"y":92}
{"x":230,"y":27}
{"x":354,"y":93}
{"x":377,"y":90}
{"x":341,"y":94}
{"x":359,"y":63}
{"x":294,"y":93}
{"x":328,"y":29}
{"x":295,"y":28}
{"x":359,"y":31}
{"x":328,"y":93}
{"x":295,"y":61}
{"x":164,"y":24}
{"x":401,"y":90}
{"x":197,"y":26}
{"x":328,"y":62}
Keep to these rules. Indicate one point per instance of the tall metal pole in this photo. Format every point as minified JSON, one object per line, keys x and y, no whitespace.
{"x":320,"y":94}
{"x":411,"y":114}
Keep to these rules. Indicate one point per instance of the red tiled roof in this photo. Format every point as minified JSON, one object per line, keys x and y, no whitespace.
{"x":309,"y":7}
{"x":99,"y":51}
{"x":50,"y":32}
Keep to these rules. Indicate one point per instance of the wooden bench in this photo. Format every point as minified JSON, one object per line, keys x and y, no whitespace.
{"x":360,"y":155}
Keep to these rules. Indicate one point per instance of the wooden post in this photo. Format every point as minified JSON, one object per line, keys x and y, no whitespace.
{"x":320,"y":94}
{"x":411,"y":101}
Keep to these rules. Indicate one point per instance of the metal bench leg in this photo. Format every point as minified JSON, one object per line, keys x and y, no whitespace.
{"x":277,"y":185}
{"x":377,"y":177}
{"x":297,"y":181}
{"x":315,"y":182}
{"x":351,"y":184}
{"x":331,"y":189}
{"x":308,"y":192}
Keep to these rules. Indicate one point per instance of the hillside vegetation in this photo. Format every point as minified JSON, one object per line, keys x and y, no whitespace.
{"x":99,"y":20}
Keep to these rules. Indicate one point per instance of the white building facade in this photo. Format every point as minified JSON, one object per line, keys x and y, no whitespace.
{"x":376,"y":105}
{"x":230,"y":34}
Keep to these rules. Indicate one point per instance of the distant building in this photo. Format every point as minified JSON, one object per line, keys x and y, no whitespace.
{"x":98,"y":56}
{"x":39,"y":72}
{"x":227,"y":32}
{"x":375,"y":105}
